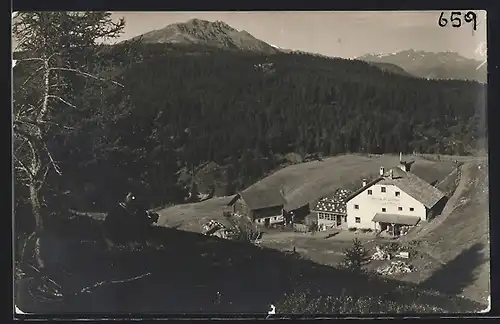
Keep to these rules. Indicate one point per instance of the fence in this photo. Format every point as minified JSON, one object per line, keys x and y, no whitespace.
{"x":301,"y":228}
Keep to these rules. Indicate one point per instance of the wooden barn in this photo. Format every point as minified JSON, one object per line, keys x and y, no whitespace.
{"x":264,"y":207}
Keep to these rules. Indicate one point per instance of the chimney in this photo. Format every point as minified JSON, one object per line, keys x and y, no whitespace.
{"x":391,"y":172}
{"x":364,"y":183}
{"x":382,"y":171}
{"x":400,"y":157}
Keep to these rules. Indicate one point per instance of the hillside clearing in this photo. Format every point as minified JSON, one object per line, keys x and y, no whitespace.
{"x":462,"y":229}
{"x":456,"y":244}
{"x":305,"y":183}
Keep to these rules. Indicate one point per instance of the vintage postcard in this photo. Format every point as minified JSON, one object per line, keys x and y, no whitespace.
{"x":266,"y":163}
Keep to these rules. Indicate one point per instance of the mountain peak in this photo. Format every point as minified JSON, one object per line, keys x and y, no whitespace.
{"x":434,"y":65}
{"x":209,"y":33}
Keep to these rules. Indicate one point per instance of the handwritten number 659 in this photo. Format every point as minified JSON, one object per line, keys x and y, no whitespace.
{"x":456,"y":20}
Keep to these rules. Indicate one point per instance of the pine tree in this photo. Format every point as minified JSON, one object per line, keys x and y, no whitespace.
{"x":356,"y":257}
{"x":51,"y":44}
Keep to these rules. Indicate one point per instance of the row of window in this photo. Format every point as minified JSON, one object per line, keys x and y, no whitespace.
{"x":332,"y":217}
{"x":260,"y":220}
{"x":383,"y":209}
{"x":383,"y":189}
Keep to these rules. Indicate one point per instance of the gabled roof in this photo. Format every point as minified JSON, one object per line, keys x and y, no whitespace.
{"x":409,"y":183}
{"x":335,"y":203}
{"x":258,"y":199}
{"x":360,"y":190}
{"x":415,"y":187}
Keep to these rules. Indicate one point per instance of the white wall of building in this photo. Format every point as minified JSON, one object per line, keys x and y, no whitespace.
{"x":369,"y":205}
{"x":272,"y":220}
{"x":329,"y":219}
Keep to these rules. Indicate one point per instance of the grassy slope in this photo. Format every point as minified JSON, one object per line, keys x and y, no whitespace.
{"x":185,"y":275}
{"x":186,"y":270}
{"x":305,"y":183}
{"x":463,"y":234}
{"x":459,"y":246}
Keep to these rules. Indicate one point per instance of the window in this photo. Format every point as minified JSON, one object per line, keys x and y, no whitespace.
{"x":412,"y":209}
{"x":383,"y":209}
{"x":358,"y":220}
{"x":321,"y":216}
{"x":396,"y":193}
{"x":382,"y":189}
{"x":356,"y":206}
{"x":370,"y":192}
{"x":327,"y":216}
{"x":400,"y":208}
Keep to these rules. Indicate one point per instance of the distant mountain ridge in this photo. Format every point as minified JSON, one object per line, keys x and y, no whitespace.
{"x":202,"y":32}
{"x":429,"y":65}
{"x":218,"y":34}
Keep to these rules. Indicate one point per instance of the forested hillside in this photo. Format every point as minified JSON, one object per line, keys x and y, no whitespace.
{"x":182,"y":106}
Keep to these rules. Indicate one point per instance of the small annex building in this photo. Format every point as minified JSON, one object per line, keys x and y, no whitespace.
{"x":331,"y":211}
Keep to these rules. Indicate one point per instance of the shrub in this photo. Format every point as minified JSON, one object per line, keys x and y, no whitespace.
{"x":355,"y":258}
{"x":366,"y":230}
{"x":392,"y":248}
{"x":353,"y":229}
{"x":244,"y":230}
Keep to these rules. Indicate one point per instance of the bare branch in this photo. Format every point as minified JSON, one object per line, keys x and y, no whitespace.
{"x":31,"y":59}
{"x":24,"y":168}
{"x":87,"y":75}
{"x":38,"y":124}
{"x":87,"y":289}
{"x":62,"y":100}
{"x":59,"y":85}
{"x":26,"y":135}
{"x":19,"y":147}
{"x":32,"y":75}
{"x":23,"y":110}
{"x":54,"y":164}
{"x":42,"y":181}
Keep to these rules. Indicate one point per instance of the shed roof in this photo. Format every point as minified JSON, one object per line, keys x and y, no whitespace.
{"x":334,"y":203}
{"x":396,"y":219}
{"x":258,"y":199}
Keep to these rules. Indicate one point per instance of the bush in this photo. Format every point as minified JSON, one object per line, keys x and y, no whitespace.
{"x":244,"y":230}
{"x":355,"y":258}
{"x":366,"y":230}
{"x":352,"y":229}
{"x":392,"y":248}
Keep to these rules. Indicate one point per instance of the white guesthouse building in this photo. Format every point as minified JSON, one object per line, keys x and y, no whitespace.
{"x":394,"y":200}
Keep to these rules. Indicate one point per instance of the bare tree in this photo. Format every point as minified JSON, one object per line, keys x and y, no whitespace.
{"x":52,"y":44}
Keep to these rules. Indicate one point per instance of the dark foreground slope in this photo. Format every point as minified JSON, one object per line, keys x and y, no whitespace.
{"x":188,"y":272}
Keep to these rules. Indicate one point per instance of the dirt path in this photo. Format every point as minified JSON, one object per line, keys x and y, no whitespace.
{"x":452,"y":203}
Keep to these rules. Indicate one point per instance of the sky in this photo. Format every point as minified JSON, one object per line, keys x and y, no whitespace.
{"x":340,"y":34}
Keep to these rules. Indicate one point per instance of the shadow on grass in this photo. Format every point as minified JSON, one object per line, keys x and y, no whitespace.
{"x":192,"y":273}
{"x":459,"y":273}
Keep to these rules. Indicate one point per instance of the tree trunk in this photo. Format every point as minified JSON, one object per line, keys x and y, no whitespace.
{"x":32,"y":245}
{"x":36,"y":207}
